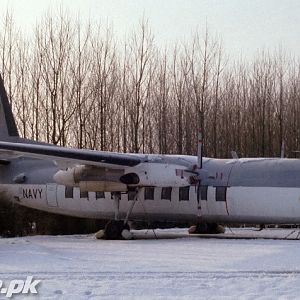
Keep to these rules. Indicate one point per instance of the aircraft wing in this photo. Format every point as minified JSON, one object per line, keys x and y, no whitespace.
{"x":70,"y":156}
{"x":101,"y":171}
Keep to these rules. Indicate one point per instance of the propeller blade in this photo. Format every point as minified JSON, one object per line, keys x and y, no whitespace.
{"x":198,"y":192}
{"x":199,"y":152}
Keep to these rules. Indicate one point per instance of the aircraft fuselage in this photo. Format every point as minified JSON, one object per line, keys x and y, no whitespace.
{"x":262,"y":190}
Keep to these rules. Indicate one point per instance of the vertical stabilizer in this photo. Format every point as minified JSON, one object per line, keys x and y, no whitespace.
{"x":8,"y":126}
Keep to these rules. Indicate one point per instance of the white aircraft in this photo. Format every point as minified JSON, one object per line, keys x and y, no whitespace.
{"x":122,"y":187}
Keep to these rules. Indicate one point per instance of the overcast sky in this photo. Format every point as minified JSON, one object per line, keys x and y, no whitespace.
{"x":243,"y":25}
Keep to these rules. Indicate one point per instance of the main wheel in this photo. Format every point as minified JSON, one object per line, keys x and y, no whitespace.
{"x":206,"y":228}
{"x":113,"y":230}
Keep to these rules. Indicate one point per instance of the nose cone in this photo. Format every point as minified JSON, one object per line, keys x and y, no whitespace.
{"x":65,"y":177}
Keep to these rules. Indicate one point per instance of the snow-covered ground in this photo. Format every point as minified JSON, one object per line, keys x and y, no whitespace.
{"x":174,"y":266}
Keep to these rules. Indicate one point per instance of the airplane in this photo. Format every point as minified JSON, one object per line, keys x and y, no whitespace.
{"x":123,"y":187}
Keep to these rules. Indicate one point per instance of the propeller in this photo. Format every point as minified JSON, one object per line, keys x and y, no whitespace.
{"x":196,"y":173}
{"x":198,"y":169}
{"x":199,"y":150}
{"x":199,"y":165}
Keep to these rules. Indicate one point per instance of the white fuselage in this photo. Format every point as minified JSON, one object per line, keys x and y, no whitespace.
{"x":242,"y":205}
{"x":251,"y":196}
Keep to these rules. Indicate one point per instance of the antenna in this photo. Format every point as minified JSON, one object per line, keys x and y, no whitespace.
{"x":234,"y":155}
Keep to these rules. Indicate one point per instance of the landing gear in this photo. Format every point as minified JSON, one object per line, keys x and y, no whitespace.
{"x":114,"y":230}
{"x":118,"y":229}
{"x":206,"y":228}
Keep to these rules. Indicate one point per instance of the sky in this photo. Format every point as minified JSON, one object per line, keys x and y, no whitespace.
{"x":244,"y":26}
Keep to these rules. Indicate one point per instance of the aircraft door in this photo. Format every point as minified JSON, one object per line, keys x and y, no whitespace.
{"x":52,"y":195}
{"x":217,"y":201}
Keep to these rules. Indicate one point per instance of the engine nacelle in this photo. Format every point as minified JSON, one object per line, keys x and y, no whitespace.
{"x":156,"y":174}
{"x":90,"y":178}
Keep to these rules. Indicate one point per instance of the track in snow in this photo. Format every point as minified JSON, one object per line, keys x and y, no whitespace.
{"x":177,"y":267}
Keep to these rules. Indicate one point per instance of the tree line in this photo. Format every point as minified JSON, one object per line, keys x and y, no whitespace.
{"x":74,"y":84}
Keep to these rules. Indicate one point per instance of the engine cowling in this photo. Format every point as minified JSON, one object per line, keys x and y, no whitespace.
{"x":90,"y":178}
{"x":158,"y":174}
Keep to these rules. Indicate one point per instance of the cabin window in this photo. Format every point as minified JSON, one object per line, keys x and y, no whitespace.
{"x":84,"y":194}
{"x":203,"y":192}
{"x":184,"y":193}
{"x":149,"y":193}
{"x":166,"y":193}
{"x":100,"y":195}
{"x":221,"y":193}
{"x":131,"y":195}
{"x":69,"y":192}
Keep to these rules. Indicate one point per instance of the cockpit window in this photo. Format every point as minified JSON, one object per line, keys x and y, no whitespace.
{"x":221,"y":193}
{"x":84,"y":194}
{"x":131,"y":195}
{"x":100,"y":195}
{"x":203,"y":192}
{"x":184,"y":193}
{"x":149,"y":193}
{"x":69,"y":192}
{"x":166,"y":193}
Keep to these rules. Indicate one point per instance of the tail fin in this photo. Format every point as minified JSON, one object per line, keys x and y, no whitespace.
{"x":8,"y":128}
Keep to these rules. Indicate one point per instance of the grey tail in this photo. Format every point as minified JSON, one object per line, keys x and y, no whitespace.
{"x":8,"y":128}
